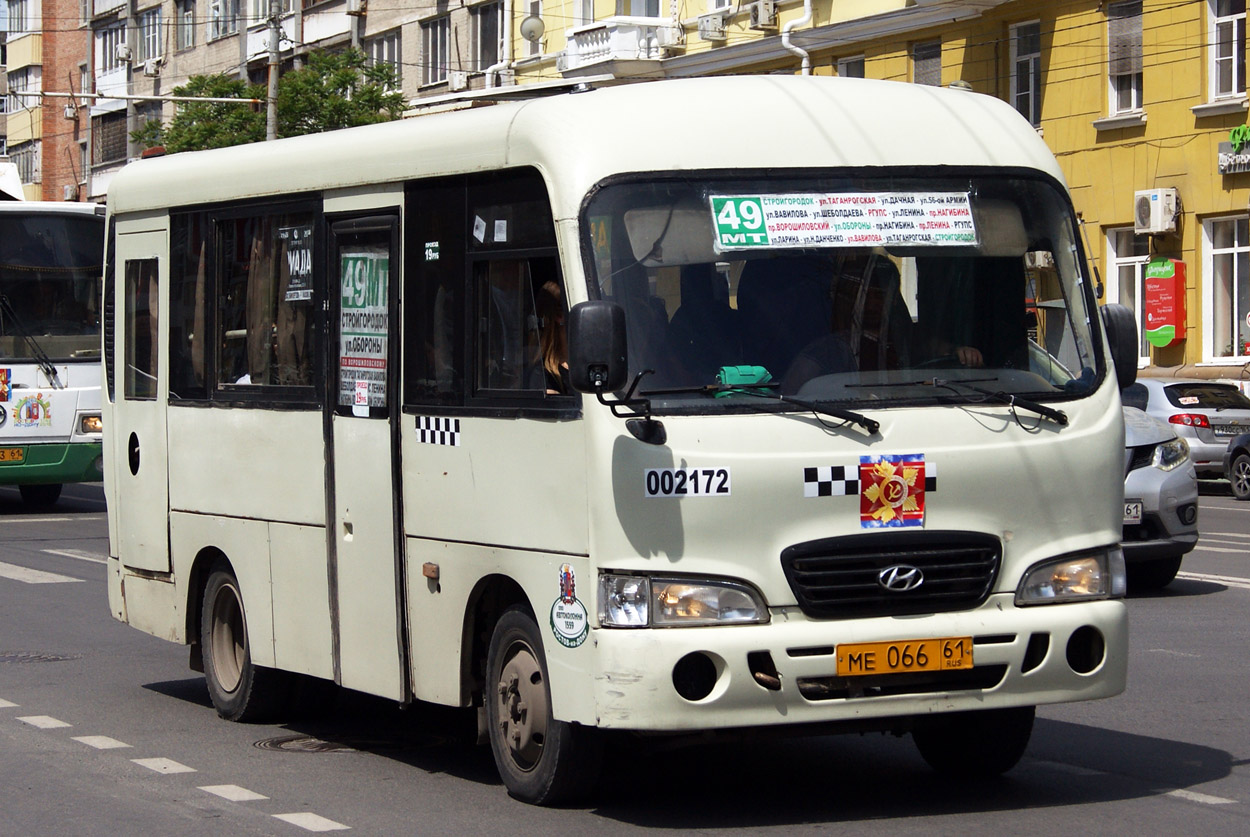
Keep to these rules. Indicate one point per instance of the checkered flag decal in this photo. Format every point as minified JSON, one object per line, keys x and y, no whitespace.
{"x":930,"y":476}
{"x":830,"y":481}
{"x":438,"y":431}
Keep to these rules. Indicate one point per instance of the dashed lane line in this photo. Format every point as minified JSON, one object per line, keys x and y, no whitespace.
{"x":234,"y":793}
{"x":12,"y":519}
{"x":312,"y":822}
{"x":1201,"y":547}
{"x":1245,"y":536}
{"x":29,"y":576}
{"x":1230,"y":580}
{"x":81,"y":555}
{"x":6,"y":704}
{"x":164,"y":766}
{"x":101,"y":742}
{"x":1177,"y":793}
{"x":43,"y":722}
{"x":1205,"y":799}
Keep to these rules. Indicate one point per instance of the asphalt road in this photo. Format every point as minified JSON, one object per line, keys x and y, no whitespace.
{"x":104,"y":729}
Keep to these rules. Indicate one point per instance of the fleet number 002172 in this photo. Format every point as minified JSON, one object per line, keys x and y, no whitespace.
{"x":944,"y":654}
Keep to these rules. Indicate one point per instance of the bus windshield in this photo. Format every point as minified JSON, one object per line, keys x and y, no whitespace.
{"x":890,"y":290}
{"x":51,"y":267}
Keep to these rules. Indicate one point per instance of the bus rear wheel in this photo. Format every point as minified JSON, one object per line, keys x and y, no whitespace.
{"x":974,"y":745}
{"x":541,"y":760}
{"x":40,"y":495}
{"x":240,"y":690}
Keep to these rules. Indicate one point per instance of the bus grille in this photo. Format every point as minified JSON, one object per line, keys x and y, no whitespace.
{"x":838,"y":578}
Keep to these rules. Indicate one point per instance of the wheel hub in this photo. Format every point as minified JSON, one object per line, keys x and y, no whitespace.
{"x":522,"y":705}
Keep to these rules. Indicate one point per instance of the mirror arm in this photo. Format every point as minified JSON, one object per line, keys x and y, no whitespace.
{"x":637,"y":410}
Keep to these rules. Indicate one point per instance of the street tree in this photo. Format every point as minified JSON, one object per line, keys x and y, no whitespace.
{"x":337,"y":90}
{"x":200,"y":125}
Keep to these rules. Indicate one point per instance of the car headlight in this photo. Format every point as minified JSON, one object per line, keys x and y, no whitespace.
{"x":631,"y":601}
{"x":1088,"y":575}
{"x":1171,"y":455}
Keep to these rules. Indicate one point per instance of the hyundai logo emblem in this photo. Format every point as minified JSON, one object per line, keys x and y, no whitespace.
{"x":900,"y":578}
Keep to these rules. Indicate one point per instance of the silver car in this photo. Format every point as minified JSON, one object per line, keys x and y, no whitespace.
{"x":1160,"y":501}
{"x":1206,"y":414}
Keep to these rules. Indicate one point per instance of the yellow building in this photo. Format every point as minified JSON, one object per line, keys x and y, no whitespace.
{"x":1137,"y":99}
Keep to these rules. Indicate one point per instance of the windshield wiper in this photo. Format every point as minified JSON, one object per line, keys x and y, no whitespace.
{"x":36,"y":351}
{"x":761,"y":390}
{"x":1013,"y":401}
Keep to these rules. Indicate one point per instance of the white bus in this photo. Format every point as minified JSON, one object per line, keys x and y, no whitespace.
{"x":838,"y":443}
{"x":51,"y":264}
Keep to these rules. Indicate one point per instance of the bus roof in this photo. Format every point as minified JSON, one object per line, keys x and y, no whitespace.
{"x":51,"y":207}
{"x":726,"y":122}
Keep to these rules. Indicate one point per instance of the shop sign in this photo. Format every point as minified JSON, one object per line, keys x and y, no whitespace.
{"x":1165,"y":302}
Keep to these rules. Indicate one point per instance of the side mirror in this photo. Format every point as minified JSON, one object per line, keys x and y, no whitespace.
{"x":1120,"y":326}
{"x":597,"y":359}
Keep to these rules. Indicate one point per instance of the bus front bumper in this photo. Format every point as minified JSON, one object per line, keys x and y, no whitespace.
{"x":54,"y":462}
{"x":785,"y":672}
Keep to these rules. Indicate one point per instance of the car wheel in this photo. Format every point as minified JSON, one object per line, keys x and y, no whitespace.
{"x":240,"y":690}
{"x":1152,"y":575}
{"x":541,"y":760}
{"x":977,"y":744}
{"x":1239,"y":476}
{"x":39,"y":496}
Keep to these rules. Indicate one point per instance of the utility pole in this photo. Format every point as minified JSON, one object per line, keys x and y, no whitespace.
{"x":271,"y":98}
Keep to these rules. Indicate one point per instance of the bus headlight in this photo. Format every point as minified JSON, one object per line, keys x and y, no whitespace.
{"x":90,"y":423}
{"x":630,"y":601}
{"x":1090,"y":575}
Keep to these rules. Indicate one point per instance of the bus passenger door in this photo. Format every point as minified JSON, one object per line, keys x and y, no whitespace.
{"x":140,"y":476}
{"x":365,"y":550}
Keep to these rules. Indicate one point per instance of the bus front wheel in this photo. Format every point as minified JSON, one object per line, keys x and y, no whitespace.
{"x":541,"y":760}
{"x":240,"y":690}
{"x":977,"y":744}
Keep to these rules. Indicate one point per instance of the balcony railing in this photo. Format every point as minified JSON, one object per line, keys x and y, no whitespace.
{"x":618,"y":39}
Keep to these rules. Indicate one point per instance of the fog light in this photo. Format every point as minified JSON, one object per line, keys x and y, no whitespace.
{"x":1086,"y":649}
{"x":1188,"y":513}
{"x":694,"y":676}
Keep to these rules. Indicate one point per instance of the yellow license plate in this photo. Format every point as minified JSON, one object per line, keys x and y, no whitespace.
{"x":908,"y":655}
{"x":12,"y":454}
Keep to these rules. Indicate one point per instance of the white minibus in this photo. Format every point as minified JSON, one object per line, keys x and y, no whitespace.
{"x":51,"y":264}
{"x":602,"y":413}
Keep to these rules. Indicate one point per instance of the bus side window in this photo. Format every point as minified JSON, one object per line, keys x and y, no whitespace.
{"x":142,"y":293}
{"x":434,"y":293}
{"x":188,"y":280}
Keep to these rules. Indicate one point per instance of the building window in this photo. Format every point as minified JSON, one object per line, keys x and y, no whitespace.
{"x":1226,"y":302}
{"x":108,"y":137}
{"x":487,"y":23}
{"x":585,"y":12}
{"x":24,"y":16}
{"x":185,"y":26}
{"x":149,"y":25}
{"x":1127,"y":255}
{"x":27,"y":156}
{"x":434,"y":36}
{"x":25,"y":80}
{"x":258,"y":11}
{"x":1124,"y":56}
{"x":926,"y":63}
{"x":1228,"y":48}
{"x":851,"y":67}
{"x":1026,"y":70}
{"x":385,"y":49}
{"x":223,"y":18}
{"x":107,"y":40}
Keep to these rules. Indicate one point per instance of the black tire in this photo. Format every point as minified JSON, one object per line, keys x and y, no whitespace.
{"x":541,"y":760}
{"x":1239,"y":476}
{"x":240,"y":691}
{"x":1153,"y":575}
{"x":40,"y":495}
{"x":974,"y":745}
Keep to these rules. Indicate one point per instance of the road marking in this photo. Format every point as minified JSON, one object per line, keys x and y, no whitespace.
{"x":1204,"y":548}
{"x":164,"y":766}
{"x":93,"y":557}
{"x":312,"y":822}
{"x":1230,"y":580}
{"x":101,"y":742}
{"x":1175,"y":653}
{"x":43,"y":722}
{"x":234,"y":793}
{"x":1242,"y":535}
{"x":30,"y":576}
{"x":9,"y":520}
{"x":5,"y":704}
{"x":1201,"y":797}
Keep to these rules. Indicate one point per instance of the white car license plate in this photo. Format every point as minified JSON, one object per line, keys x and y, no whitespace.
{"x":1132,"y":511}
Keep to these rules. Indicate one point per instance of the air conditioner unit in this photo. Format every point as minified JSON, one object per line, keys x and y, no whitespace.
{"x":1154,"y":210}
{"x":712,"y":27}
{"x":763,"y":14}
{"x":457,"y":80}
{"x":152,"y":67}
{"x":124,"y":54}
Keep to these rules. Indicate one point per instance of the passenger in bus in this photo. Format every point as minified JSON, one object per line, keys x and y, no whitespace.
{"x":785,"y":306}
{"x":553,"y":338}
{"x":705,"y":332}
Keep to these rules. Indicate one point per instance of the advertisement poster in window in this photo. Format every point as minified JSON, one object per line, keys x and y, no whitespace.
{"x":363,"y":327}
{"x":297,"y":244}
